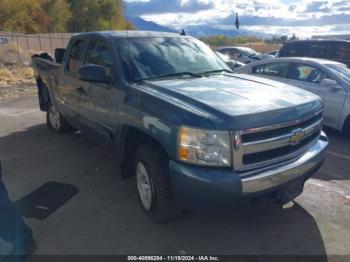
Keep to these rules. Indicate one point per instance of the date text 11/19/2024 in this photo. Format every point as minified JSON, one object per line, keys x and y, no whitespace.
{"x":173,"y":258}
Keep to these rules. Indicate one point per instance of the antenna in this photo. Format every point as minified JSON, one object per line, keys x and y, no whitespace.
{"x":237,"y":20}
{"x":182,"y":29}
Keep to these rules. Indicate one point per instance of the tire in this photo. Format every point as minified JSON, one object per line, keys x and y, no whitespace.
{"x":153,"y":183}
{"x":55,"y":121}
{"x":346,"y":128}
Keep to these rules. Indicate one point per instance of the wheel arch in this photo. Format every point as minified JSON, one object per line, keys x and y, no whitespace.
{"x":131,"y":137}
{"x":43,"y":94}
{"x":345,"y":129}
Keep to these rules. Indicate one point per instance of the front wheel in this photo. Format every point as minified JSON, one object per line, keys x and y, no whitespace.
{"x":153,"y":183}
{"x":55,"y":121}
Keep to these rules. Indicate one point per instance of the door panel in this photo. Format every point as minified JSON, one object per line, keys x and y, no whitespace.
{"x":100,"y":101}
{"x":103,"y":106}
{"x":70,"y":98}
{"x":309,"y":78}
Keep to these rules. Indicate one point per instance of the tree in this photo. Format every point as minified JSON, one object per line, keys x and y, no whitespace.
{"x":281,"y":40}
{"x":221,"y":40}
{"x":25,"y":16}
{"x":59,"y":14}
{"x":293,"y":37}
{"x":37,"y":16}
{"x":92,"y":15}
{"x":3,"y":13}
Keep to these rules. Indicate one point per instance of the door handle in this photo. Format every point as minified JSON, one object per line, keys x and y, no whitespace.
{"x":81,"y":90}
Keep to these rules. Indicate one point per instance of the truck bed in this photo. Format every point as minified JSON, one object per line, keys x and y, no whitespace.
{"x":45,"y":68}
{"x":44,"y":65}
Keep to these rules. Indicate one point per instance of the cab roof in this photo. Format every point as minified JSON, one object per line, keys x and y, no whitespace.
{"x":307,"y":59}
{"x":128,"y":34}
{"x":339,"y":40}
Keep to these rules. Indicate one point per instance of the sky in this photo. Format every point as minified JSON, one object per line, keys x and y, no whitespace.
{"x":301,"y":17}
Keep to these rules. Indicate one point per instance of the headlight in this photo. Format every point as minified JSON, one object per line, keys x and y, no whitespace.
{"x":204,"y":147}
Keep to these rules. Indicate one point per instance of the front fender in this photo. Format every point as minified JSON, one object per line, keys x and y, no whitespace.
{"x":157,"y":117}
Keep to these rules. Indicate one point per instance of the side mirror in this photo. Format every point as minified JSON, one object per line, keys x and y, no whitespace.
{"x":94,"y":74}
{"x":330,"y":83}
{"x":231,"y":64}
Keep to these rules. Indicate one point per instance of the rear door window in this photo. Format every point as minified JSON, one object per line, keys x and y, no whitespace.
{"x":279,"y":69}
{"x":98,"y":54}
{"x":307,"y":73}
{"x":295,"y":49}
{"x":232,"y":53}
{"x":322,"y":50}
{"x":76,"y":56}
{"x":342,"y":51}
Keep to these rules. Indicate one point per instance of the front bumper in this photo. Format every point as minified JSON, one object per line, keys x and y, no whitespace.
{"x":203,"y":187}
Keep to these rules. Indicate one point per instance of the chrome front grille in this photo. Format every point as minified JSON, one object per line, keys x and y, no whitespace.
{"x":261,"y":147}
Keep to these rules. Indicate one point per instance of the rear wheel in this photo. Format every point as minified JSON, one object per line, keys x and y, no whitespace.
{"x":153,"y":183}
{"x":55,"y":121}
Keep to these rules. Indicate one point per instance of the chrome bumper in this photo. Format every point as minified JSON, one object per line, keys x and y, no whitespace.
{"x":280,"y":175}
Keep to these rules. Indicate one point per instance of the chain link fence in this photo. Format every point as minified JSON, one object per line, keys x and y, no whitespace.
{"x":18,"y":48}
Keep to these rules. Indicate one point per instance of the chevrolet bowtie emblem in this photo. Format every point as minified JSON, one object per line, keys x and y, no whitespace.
{"x":297,"y":137}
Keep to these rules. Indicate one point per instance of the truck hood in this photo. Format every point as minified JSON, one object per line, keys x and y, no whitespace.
{"x":241,"y":101}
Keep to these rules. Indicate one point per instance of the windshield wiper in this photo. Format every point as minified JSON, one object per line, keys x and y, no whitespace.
{"x":170,"y":75}
{"x":216,"y":71}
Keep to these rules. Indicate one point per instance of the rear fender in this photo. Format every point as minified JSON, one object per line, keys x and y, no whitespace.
{"x":43,"y":94}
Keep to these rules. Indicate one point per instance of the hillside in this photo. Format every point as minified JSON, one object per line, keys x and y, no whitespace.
{"x":141,"y":24}
{"x":196,"y":31}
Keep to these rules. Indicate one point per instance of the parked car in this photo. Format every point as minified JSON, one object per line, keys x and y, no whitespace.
{"x":337,"y":50}
{"x":233,"y":64}
{"x":272,"y":53}
{"x":194,"y":134}
{"x":242,"y":54}
{"x":328,"y":79}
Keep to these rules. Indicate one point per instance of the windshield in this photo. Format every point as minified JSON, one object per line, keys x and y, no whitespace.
{"x":248,"y":51}
{"x":223,"y":56}
{"x":341,"y":70}
{"x":144,"y":58}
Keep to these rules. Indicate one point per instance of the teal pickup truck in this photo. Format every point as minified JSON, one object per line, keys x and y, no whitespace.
{"x":195,"y":135}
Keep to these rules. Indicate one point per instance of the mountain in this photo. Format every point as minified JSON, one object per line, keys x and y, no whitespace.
{"x":141,"y":24}
{"x":196,"y":31}
{"x":205,"y":31}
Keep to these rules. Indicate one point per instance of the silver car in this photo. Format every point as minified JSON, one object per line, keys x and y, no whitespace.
{"x":242,"y":54}
{"x":233,"y":64}
{"x":328,"y":79}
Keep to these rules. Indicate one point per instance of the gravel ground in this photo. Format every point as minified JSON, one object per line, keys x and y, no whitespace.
{"x":104,"y":218}
{"x":12,"y":91}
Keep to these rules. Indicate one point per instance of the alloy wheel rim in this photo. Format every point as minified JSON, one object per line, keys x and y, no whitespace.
{"x":144,"y":186}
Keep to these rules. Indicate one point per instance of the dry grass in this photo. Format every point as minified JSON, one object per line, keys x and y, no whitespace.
{"x":15,"y":75}
{"x":260,"y":47}
{"x":5,"y":75}
{"x":24,"y":74}
{"x":16,"y":81}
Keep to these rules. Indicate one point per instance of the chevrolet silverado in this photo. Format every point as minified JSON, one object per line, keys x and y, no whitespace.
{"x":193,"y":133}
